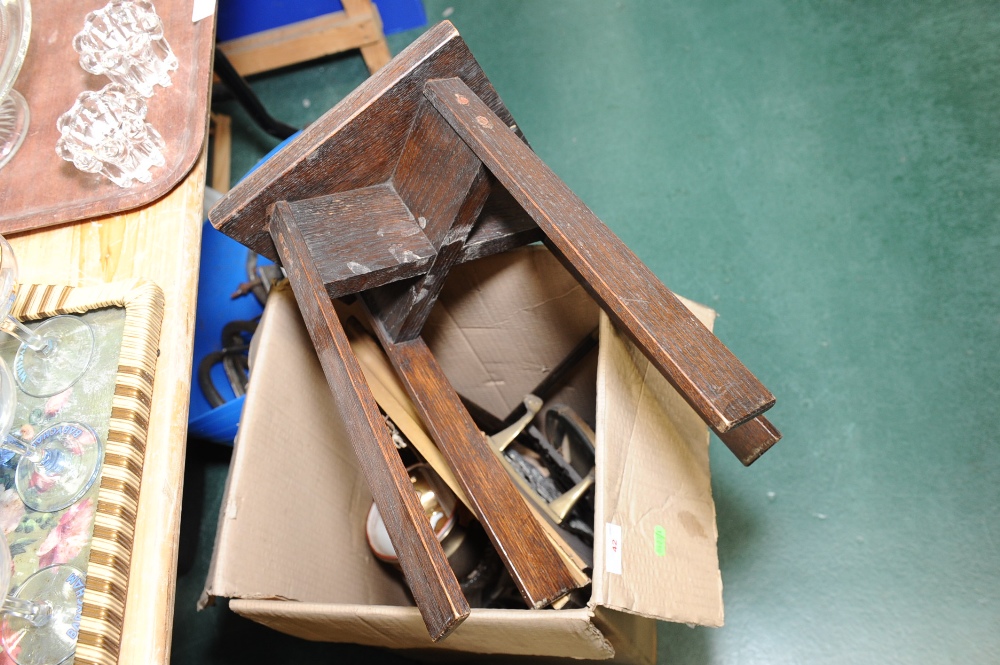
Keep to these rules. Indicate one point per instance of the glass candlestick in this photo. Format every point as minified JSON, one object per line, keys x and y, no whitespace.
{"x":106,"y":132}
{"x":124,"y":41}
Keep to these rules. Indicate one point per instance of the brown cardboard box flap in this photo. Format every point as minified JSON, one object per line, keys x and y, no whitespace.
{"x":656,"y":539}
{"x":283,"y":526}
{"x":569,"y":633}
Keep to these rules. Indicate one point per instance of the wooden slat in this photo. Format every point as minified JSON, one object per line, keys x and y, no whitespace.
{"x":425,"y":566}
{"x":222,"y":147}
{"x":537,"y":568}
{"x":304,"y":40}
{"x":710,"y":377}
{"x":375,"y":54}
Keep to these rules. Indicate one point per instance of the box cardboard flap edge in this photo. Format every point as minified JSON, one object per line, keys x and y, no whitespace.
{"x":569,"y":633}
{"x":655,"y":533}
{"x":285,"y":477}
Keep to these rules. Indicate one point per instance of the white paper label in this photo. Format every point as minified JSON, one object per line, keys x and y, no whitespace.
{"x":613,"y":548}
{"x":202,"y":9}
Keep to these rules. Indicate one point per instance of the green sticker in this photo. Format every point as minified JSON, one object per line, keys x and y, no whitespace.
{"x":660,"y":540}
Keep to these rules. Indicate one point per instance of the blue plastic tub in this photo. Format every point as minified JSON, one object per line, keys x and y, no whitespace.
{"x":238,"y":18}
{"x":223,"y":269}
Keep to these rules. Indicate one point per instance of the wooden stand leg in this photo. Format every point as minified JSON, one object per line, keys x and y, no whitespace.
{"x":383,"y":194}
{"x":540,"y":572}
{"x":713,"y":381}
{"x":751,"y":440}
{"x":431,"y":580}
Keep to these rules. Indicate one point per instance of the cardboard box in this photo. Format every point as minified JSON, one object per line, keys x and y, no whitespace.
{"x":291,"y":549}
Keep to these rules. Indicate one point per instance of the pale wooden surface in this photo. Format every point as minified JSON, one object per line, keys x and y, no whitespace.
{"x":221,"y":129}
{"x":161,"y":242}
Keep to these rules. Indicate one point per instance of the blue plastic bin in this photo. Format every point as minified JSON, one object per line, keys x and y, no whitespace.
{"x":239,"y":18}
{"x":222,"y":270}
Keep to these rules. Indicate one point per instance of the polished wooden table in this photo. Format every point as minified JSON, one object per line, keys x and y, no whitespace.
{"x":160,"y":242}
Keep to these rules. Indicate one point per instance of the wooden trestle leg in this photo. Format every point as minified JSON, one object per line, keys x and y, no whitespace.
{"x":444,"y":186}
{"x":431,"y":580}
{"x":713,"y":381}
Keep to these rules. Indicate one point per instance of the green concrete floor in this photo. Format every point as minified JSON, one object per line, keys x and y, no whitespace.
{"x":827,"y":176}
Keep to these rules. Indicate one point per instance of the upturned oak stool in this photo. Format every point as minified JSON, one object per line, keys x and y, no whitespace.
{"x":419,"y":169}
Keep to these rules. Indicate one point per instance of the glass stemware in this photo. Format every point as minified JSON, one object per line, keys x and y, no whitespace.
{"x":15,"y":27}
{"x":58,"y":465}
{"x":40,"y":618}
{"x":54,"y":355}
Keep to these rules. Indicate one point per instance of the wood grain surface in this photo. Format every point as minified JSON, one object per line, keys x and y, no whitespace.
{"x":37,"y":187}
{"x":361,"y":239}
{"x":161,"y":243}
{"x":710,"y":377}
{"x":446,"y":203}
{"x":539,"y":570}
{"x":431,"y":580}
{"x":751,"y":439}
{"x":357,"y":143}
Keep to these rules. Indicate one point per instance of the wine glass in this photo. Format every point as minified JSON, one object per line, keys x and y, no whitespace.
{"x":54,"y":355}
{"x":41,"y":618}
{"x":15,"y":27}
{"x":59,"y":465}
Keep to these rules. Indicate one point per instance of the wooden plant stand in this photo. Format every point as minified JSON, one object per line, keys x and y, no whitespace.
{"x":358,"y":26}
{"x":419,"y":169}
{"x":220,"y":129}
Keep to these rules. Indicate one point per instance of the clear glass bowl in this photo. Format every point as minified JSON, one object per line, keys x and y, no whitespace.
{"x":15,"y":28}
